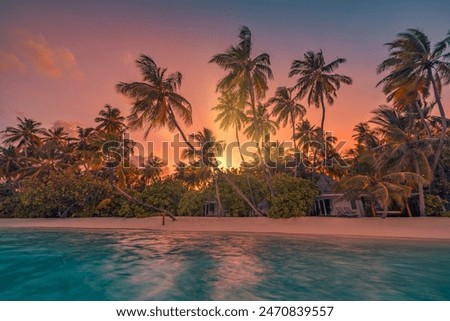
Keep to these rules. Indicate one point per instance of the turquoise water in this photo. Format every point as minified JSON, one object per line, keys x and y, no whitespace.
{"x":144,"y":265}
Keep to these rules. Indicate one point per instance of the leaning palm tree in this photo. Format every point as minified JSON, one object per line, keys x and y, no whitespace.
{"x":317,"y":80}
{"x":287,"y":109}
{"x":413,"y":62}
{"x":156,"y":102}
{"x":27,"y":135}
{"x":246,"y":75}
{"x":231,"y":114}
{"x":110,"y":121}
{"x":260,"y":124}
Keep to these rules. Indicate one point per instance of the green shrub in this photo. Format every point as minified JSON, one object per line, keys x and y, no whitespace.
{"x":292,"y":196}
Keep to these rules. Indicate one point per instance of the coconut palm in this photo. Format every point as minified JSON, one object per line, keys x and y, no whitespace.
{"x":403,"y":148}
{"x":261,"y":124}
{"x":231,"y":114}
{"x":27,"y":135}
{"x":10,"y":162}
{"x":153,"y":169}
{"x":287,"y":109}
{"x":317,"y":80}
{"x":110,"y":121}
{"x":156,"y":102}
{"x":413,"y":62}
{"x":365,"y":136}
{"x":204,"y":158}
{"x":246,"y":75}
{"x":57,"y":136}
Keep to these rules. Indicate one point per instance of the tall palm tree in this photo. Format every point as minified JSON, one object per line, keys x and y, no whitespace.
{"x":27,"y":135}
{"x":413,"y":62}
{"x":317,"y":80}
{"x":110,"y":121}
{"x":287,"y":109}
{"x":246,"y":75}
{"x":231,"y":114}
{"x":156,"y":102}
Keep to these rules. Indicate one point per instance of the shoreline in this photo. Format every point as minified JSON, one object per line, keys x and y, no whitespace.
{"x":415,"y":228}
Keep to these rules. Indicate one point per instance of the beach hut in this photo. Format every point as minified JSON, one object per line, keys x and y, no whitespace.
{"x":329,"y":203}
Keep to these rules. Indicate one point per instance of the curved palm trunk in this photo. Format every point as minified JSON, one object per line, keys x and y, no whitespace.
{"x":221,"y":173}
{"x":421,"y":191}
{"x":121,"y":192}
{"x":238,"y":190}
{"x":441,"y":142}
{"x":322,"y":122}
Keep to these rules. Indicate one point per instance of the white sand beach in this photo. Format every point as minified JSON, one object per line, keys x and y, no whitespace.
{"x":420,"y":228}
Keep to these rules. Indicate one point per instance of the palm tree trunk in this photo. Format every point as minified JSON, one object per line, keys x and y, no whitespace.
{"x":408,"y":209}
{"x":238,"y":190}
{"x":219,"y":201}
{"x":420,"y":187}
{"x":322,"y":122}
{"x":441,"y":142}
{"x":422,"y":119}
{"x":295,"y":145}
{"x":385,"y":211}
{"x":221,"y":173}
{"x":239,"y":146}
{"x":121,"y":192}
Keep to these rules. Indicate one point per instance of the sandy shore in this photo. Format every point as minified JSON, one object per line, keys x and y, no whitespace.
{"x":429,"y":227}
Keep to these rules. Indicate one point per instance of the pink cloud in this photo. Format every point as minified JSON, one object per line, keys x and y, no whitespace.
{"x":9,"y":62}
{"x":47,"y":59}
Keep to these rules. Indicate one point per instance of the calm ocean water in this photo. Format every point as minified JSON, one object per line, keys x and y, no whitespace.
{"x":144,"y":265}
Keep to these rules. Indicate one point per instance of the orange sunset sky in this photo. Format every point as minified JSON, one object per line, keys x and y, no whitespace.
{"x":60,"y":60}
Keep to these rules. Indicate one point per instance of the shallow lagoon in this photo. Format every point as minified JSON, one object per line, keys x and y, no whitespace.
{"x":67,"y":264}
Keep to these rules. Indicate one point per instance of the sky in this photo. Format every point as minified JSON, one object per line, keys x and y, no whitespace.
{"x":60,"y":60}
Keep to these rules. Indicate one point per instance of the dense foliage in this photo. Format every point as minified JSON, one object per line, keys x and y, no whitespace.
{"x":401,"y":157}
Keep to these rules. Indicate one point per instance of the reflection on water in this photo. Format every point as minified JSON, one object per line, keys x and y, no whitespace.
{"x":145,"y":265}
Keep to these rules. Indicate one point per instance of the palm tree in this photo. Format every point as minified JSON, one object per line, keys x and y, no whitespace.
{"x":57,"y":136}
{"x":261,"y":124}
{"x":365,"y":136}
{"x":110,"y":121}
{"x":10,"y":162}
{"x":153,"y":169}
{"x":317,"y":81}
{"x":231,"y":114}
{"x":27,"y":135}
{"x":286,"y":108}
{"x":156,"y":102}
{"x":414,"y":63}
{"x":246,"y":75}
{"x":403,"y":148}
{"x":204,"y":159}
